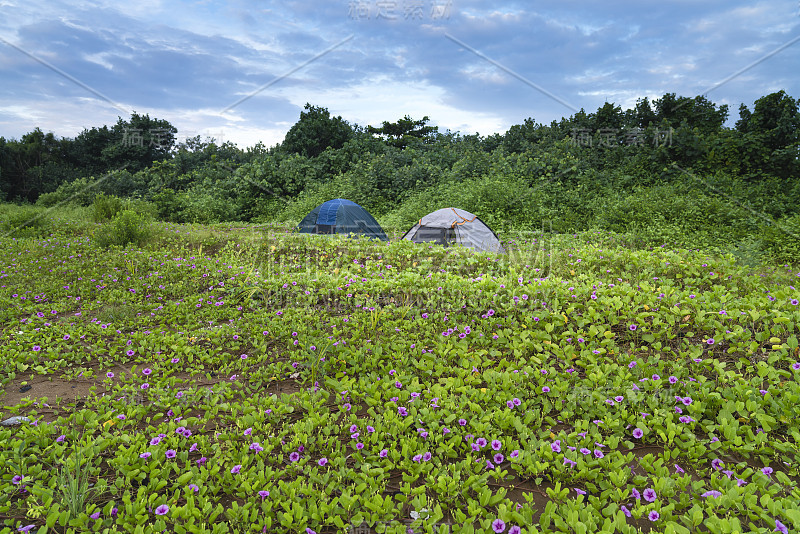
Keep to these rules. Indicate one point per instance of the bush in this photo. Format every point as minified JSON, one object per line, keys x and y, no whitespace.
{"x":23,"y":221}
{"x":106,"y":207}
{"x":126,"y":228}
{"x":781,"y":239}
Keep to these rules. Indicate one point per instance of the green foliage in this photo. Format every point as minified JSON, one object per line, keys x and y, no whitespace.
{"x":666,"y":171}
{"x":128,"y":227}
{"x":315,"y":131}
{"x":106,"y":207}
{"x":405,"y":131}
{"x":24,"y":221}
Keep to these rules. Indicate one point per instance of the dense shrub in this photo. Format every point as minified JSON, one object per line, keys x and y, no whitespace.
{"x":23,"y":221}
{"x":106,"y":207}
{"x":126,"y":228}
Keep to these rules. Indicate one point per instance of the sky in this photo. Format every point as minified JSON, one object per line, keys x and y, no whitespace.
{"x":242,"y":71}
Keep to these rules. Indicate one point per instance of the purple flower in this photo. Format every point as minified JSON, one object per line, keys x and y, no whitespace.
{"x":295,"y":456}
{"x":569,"y":462}
{"x":61,"y":438}
{"x":653,"y":516}
{"x":579,"y":491}
{"x":632,"y":327}
{"x":625,"y":510}
{"x":171,"y":453}
{"x":426,"y":457}
{"x":556,"y":446}
{"x":780,"y":527}
{"x":496,"y":444}
{"x":545,"y":389}
{"x":147,"y":371}
{"x":650,"y":495}
{"x":712,"y":493}
{"x":638,"y":433}
{"x":145,"y":455}
{"x":462,"y":422}
{"x":710,"y":341}
{"x":636,"y":494}
{"x":27,"y":528}
{"x":498,"y":525}
{"x":686,"y":401}
{"x":515,"y":529}
{"x":384,"y":453}
{"x":481,"y":442}
{"x":256,"y":446}
{"x":402,"y":411}
{"x":767,"y":471}
{"x":585,"y":451}
{"x":263,"y":494}
{"x":498,"y":458}
{"x":16,"y":480}
{"x":162,"y":510}
{"x":598,"y":453}
{"x":322,"y":461}
{"x":236,"y":468}
{"x":194,"y":487}
{"x":678,"y":469}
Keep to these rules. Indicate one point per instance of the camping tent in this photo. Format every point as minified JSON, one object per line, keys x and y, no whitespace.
{"x":340,"y":216}
{"x":452,"y":225}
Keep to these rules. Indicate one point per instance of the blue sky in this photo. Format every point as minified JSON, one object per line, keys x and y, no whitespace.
{"x":471,"y":66}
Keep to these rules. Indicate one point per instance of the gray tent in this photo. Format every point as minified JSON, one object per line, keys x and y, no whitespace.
{"x":451,"y":225}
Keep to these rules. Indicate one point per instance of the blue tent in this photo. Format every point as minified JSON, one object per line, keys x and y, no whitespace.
{"x":340,"y":216}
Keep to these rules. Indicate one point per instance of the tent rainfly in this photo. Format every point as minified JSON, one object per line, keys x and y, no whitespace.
{"x":451,"y":225}
{"x":340,"y":216}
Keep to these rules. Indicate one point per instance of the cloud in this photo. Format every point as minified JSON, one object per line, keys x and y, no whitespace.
{"x":186,"y":60}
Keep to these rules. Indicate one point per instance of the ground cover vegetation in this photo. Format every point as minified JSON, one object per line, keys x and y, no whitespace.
{"x":183,"y":361}
{"x":237,"y":379}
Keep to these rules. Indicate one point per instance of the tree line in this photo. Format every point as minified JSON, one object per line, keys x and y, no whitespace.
{"x":663,"y":168}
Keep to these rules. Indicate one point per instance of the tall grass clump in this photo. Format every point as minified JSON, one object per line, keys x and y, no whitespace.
{"x":23,"y":221}
{"x":126,"y":228}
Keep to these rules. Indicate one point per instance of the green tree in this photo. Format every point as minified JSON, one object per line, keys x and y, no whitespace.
{"x":405,"y":131}
{"x":315,"y":131}
{"x":773,"y":128}
{"x":136,"y":143}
